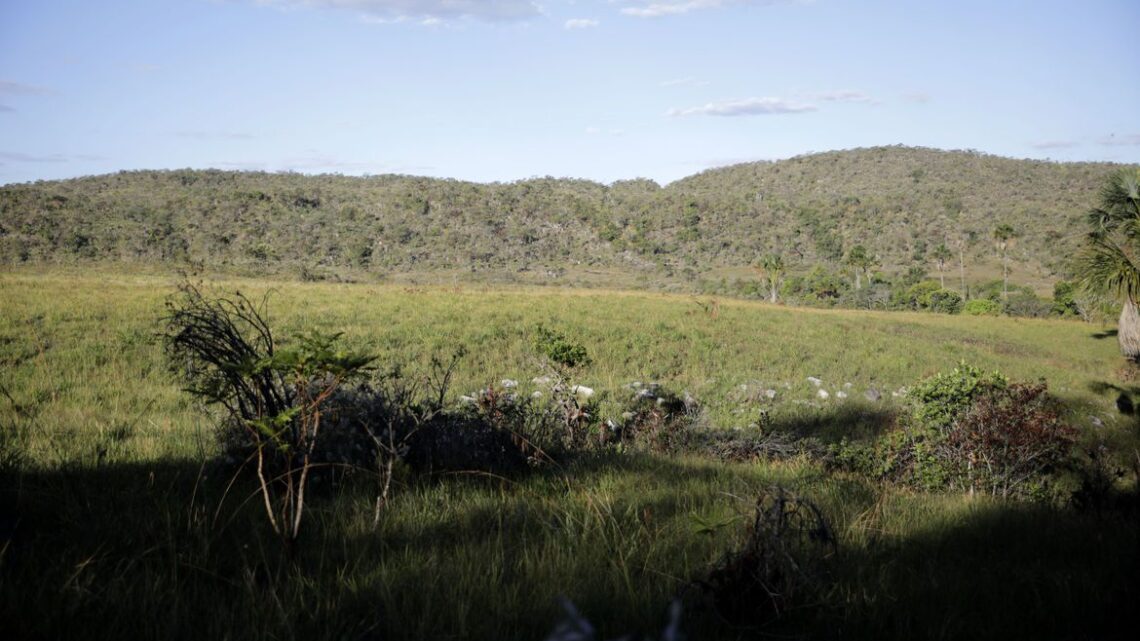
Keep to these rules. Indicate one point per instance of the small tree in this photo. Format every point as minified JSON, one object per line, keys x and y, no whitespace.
{"x":224,"y":349}
{"x":941,"y":255}
{"x":772,"y":269}
{"x":1003,"y":237}
{"x":861,"y":262}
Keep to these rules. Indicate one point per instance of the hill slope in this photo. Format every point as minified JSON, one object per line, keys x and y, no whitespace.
{"x":899,"y":202}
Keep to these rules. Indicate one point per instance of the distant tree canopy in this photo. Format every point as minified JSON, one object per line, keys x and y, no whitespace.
{"x":894,"y":202}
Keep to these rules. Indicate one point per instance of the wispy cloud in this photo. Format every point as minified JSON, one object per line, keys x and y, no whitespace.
{"x":5,"y":109}
{"x":745,"y":107}
{"x":659,"y":8}
{"x":1126,"y":140}
{"x":9,"y":88}
{"x":580,"y":23}
{"x":685,"y":82}
{"x":920,"y":97}
{"x":1054,"y":144}
{"x":426,"y":11}
{"x":215,"y":135}
{"x":20,"y":157}
{"x":841,"y":96}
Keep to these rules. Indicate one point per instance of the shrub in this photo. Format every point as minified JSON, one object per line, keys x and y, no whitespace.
{"x":981,"y":307}
{"x":275,"y":397}
{"x":1009,"y":440}
{"x":559,"y":349}
{"x":1027,"y":304}
{"x":942,"y":398}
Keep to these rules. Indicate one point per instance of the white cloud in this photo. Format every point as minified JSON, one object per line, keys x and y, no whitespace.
{"x":841,"y":96}
{"x":423,"y":10}
{"x":9,"y":88}
{"x":920,"y":97}
{"x":1127,"y":140}
{"x":745,"y":107}
{"x":5,"y":109}
{"x":659,"y":8}
{"x":215,"y":135}
{"x":19,"y":157}
{"x":580,"y":23}
{"x":1054,"y":144}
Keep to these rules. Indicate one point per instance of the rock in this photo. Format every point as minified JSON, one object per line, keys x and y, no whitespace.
{"x":847,"y":386}
{"x":508,"y":383}
{"x":771,"y":393}
{"x":582,"y":390}
{"x":536,"y":394}
{"x":822,"y":394}
{"x":541,"y":380}
{"x":872,"y":394}
{"x":841,"y":394}
{"x":814,"y":381}
{"x":467,"y":400}
{"x":1096,"y":421}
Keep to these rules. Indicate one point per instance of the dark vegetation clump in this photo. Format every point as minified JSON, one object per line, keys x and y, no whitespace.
{"x":781,"y":567}
{"x":973,"y":431}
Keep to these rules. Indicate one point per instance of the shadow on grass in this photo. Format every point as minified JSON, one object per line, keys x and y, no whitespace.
{"x":158,"y":550}
{"x":1108,"y":333}
{"x":853,"y":421}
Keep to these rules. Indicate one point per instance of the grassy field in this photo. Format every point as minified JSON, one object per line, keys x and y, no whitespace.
{"x":114,"y":519}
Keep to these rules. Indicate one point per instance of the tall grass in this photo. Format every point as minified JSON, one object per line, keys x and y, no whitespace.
{"x":116,"y":520}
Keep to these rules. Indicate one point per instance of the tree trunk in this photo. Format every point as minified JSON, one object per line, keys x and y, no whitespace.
{"x":1128,"y":331}
{"x":772,"y":291}
{"x":1004,"y":278}
{"x":858,"y":280}
{"x":941,"y":278}
{"x":962,"y":271}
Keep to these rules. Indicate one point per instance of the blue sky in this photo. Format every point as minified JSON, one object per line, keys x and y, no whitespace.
{"x":509,"y":89}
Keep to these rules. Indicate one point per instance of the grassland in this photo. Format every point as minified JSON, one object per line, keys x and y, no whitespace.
{"x":115,"y":521}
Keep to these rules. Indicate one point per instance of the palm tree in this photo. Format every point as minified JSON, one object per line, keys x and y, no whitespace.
{"x":1003,"y":237}
{"x":1110,"y":262}
{"x":772,"y":268}
{"x":942,"y":254}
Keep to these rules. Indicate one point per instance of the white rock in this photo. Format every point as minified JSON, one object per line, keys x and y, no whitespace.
{"x":467,"y":400}
{"x":582,"y":390}
{"x":771,"y":393}
{"x":814,"y":381}
{"x":536,"y":394}
{"x":841,"y":394}
{"x":847,"y":386}
{"x":541,"y":380}
{"x":508,"y":383}
{"x":822,"y":393}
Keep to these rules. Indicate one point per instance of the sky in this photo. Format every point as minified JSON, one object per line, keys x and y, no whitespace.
{"x":503,"y":90}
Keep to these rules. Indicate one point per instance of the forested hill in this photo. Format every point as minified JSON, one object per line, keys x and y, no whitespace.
{"x":898,"y":202}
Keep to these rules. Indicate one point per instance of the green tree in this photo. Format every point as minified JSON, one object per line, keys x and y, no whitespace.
{"x":861,"y":261}
{"x":941,"y":255}
{"x":1003,"y":237}
{"x":772,"y":270}
{"x":1110,"y":261}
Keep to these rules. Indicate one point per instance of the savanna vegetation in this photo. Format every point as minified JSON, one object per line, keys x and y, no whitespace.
{"x":249,"y":457}
{"x":487,"y":453}
{"x":862,"y":226}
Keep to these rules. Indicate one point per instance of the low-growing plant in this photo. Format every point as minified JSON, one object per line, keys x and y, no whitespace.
{"x":273,"y":397}
{"x":981,"y":307}
{"x":942,"y":398}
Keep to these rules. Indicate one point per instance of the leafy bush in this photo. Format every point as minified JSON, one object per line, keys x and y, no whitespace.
{"x":943,"y":301}
{"x":981,"y":307}
{"x":274,"y":397}
{"x":1027,"y":304}
{"x":559,"y":349}
{"x":942,"y":398}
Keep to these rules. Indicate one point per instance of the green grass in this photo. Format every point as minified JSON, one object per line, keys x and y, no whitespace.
{"x":114,"y":521}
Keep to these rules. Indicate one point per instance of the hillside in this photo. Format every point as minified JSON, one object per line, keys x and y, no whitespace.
{"x":898,"y":202}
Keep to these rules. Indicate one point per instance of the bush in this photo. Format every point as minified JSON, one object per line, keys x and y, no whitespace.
{"x":1009,"y":441}
{"x":1027,"y":304}
{"x":559,"y":349}
{"x":942,"y":398}
{"x":943,"y":301}
{"x":981,"y":307}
